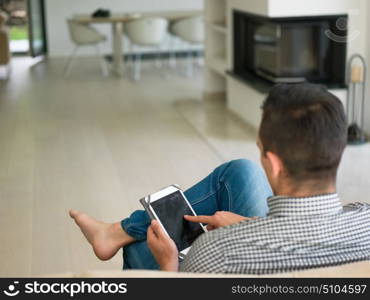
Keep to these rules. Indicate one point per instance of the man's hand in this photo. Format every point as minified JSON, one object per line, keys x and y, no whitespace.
{"x":163,"y":247}
{"x":219,"y":219}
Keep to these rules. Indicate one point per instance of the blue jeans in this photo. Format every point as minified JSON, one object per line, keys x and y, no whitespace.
{"x":239,"y":186}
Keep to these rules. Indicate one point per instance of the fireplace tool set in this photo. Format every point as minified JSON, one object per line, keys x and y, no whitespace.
{"x":356,"y":80}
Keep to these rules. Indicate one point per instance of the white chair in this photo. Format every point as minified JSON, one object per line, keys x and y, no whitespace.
{"x":190,"y":30}
{"x":174,"y":44}
{"x":84,"y":35}
{"x":145,"y":32}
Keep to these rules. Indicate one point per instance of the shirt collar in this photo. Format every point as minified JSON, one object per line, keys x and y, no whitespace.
{"x":303,"y":206}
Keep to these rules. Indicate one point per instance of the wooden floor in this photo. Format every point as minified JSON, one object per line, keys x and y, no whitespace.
{"x":99,"y":144}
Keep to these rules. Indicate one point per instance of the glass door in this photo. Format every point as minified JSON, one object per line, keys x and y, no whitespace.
{"x":17,"y":23}
{"x":36,"y":27}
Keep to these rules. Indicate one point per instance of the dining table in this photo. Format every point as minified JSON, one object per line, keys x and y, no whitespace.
{"x":118,"y":21}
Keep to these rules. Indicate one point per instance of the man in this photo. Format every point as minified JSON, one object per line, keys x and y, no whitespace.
{"x":301,"y":138}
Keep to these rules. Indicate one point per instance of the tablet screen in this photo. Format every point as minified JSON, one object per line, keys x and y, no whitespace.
{"x":170,"y":211}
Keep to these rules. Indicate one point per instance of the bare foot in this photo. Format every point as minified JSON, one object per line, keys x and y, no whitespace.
{"x":106,"y":239}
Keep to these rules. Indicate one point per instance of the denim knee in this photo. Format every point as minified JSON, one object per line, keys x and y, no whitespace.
{"x":244,"y":164}
{"x":136,"y":224}
{"x":243,"y":167}
{"x":138,"y":256}
{"x":247,"y":187}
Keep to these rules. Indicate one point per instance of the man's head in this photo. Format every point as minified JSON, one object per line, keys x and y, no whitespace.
{"x":302,"y":135}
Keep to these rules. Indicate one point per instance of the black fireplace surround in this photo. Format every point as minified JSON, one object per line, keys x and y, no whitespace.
{"x":294,"y":49}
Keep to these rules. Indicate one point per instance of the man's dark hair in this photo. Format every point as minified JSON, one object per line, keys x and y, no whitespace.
{"x":305,"y":126}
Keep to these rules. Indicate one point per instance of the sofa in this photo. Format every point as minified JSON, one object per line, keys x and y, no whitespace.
{"x":4,"y":44}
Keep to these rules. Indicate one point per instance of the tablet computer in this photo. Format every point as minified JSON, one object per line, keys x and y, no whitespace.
{"x":168,"y":207}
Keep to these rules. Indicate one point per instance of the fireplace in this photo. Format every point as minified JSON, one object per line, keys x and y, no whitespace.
{"x":294,"y":49}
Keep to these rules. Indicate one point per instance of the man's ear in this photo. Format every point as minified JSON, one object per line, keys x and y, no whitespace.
{"x":275,"y":163}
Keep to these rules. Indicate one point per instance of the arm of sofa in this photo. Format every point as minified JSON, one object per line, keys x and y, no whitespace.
{"x":353,"y":270}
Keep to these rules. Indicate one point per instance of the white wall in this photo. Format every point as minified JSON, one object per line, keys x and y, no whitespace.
{"x":57,"y":11}
{"x":259,"y":7}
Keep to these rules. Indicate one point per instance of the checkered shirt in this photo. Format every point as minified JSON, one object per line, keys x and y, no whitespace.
{"x":297,"y":234}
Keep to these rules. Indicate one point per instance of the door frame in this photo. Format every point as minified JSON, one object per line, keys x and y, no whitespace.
{"x":44,"y":29}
